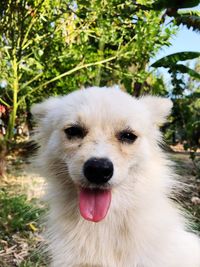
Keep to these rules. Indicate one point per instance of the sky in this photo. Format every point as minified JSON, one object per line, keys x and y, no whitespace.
{"x":185,"y":40}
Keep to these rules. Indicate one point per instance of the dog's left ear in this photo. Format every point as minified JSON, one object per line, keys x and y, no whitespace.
{"x":41,"y":110}
{"x":159,"y":108}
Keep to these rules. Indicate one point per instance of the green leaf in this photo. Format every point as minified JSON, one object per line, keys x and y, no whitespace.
{"x":191,"y":21}
{"x":184,"y":69}
{"x":189,"y":12}
{"x":163,"y":4}
{"x":172,"y":59}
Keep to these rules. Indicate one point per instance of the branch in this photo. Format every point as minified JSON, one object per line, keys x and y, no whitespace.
{"x":25,"y":40}
{"x":30,"y":81}
{"x":79,"y":67}
{"x":3,"y":102}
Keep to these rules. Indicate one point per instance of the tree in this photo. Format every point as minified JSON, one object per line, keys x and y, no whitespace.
{"x":19,"y":66}
{"x":184,"y":124}
{"x":47,"y":45}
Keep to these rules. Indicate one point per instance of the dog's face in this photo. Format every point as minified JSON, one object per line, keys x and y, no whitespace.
{"x":101,"y":136}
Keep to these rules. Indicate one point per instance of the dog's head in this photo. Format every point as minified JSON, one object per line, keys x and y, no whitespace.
{"x":100,"y":137}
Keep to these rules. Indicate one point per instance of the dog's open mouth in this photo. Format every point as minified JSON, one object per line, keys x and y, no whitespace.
{"x":94,"y":203}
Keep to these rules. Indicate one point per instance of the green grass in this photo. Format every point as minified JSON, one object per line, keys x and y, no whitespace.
{"x":20,"y":228}
{"x":16,"y":213}
{"x":34,"y":260}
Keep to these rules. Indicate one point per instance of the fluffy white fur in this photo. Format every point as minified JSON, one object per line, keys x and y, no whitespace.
{"x":143,"y":227}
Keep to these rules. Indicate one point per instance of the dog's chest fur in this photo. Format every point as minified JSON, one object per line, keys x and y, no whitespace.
{"x":75,"y":241}
{"x":94,"y":244}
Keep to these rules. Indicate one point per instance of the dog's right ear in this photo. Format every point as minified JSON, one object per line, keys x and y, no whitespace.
{"x":41,"y":110}
{"x":158,"y":107}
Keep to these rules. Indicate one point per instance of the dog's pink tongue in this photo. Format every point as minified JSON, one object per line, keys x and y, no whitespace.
{"x":94,"y":203}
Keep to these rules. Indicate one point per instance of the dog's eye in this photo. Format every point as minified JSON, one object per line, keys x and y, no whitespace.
{"x":127,"y":136}
{"x":75,"y":132}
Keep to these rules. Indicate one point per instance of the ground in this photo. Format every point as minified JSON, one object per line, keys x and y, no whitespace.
{"x":21,"y":206}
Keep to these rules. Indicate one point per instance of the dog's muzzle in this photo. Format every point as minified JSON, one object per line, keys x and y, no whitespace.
{"x":98,"y":170}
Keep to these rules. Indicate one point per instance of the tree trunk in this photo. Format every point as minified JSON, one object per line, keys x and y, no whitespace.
{"x":3,"y":151}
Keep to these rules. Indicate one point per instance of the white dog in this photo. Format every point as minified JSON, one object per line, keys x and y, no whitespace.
{"x":110,"y":183}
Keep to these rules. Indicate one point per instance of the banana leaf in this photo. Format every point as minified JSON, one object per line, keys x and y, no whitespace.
{"x":164,"y":4}
{"x":172,"y":59}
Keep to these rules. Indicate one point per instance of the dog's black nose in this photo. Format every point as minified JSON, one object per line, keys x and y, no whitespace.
{"x":98,"y":170}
